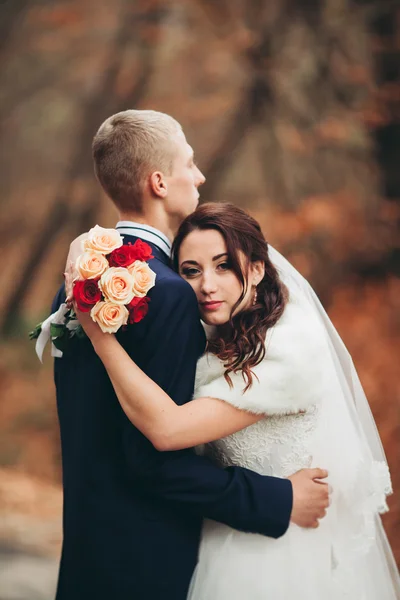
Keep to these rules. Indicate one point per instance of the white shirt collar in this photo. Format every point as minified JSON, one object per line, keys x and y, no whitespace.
{"x":147,"y":233}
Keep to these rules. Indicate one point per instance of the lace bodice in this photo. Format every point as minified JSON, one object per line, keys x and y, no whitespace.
{"x":276,"y":445}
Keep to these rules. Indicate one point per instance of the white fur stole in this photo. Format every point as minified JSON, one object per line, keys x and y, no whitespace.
{"x":290,"y":378}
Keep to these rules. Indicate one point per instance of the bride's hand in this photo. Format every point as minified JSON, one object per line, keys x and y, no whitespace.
{"x":91,"y":328}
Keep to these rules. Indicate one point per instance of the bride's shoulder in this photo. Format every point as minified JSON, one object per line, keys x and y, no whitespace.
{"x":291,"y":376}
{"x":209,"y":367}
{"x":299,"y":327}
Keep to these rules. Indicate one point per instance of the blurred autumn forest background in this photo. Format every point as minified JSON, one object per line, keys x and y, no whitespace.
{"x":293,"y":108}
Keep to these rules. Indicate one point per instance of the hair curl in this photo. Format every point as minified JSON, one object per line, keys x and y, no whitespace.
{"x":242,"y":345}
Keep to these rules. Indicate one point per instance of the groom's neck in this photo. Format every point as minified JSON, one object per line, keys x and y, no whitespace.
{"x":159,"y":221}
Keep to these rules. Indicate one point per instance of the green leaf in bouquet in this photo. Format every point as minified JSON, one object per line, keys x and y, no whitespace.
{"x":34,"y":334}
{"x":80,"y":333}
{"x":57,"y":330}
{"x":70,"y":315}
{"x":61,"y":343}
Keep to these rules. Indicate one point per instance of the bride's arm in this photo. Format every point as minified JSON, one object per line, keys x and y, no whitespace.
{"x":167,"y":425}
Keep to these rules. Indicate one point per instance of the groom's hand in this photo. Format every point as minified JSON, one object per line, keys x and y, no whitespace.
{"x":310,"y":497}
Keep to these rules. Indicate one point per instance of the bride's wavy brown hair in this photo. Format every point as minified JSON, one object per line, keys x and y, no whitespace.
{"x":242,"y":346}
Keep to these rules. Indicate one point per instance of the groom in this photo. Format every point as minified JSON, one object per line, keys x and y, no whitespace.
{"x":132,"y":514}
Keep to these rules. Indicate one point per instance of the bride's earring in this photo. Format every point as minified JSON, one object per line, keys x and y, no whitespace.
{"x":255,"y":296}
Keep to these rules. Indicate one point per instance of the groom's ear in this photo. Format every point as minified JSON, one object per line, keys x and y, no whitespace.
{"x":158,"y":184}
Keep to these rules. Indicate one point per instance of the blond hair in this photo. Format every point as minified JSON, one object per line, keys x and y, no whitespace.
{"x":127,"y":148}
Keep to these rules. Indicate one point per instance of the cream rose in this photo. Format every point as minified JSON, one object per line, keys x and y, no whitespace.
{"x":91,"y":265}
{"x":143,"y":278}
{"x":117,"y":285}
{"x":109,"y":316}
{"x":102,"y":240}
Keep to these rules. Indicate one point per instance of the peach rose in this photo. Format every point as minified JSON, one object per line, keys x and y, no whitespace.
{"x":109,"y":316}
{"x":102,"y":240}
{"x":91,"y":265}
{"x":116,"y":284}
{"x":143,"y":278}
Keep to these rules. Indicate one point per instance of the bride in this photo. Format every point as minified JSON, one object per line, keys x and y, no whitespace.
{"x":275,"y":392}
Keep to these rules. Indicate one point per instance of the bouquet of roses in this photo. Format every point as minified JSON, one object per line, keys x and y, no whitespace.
{"x":112,"y":282}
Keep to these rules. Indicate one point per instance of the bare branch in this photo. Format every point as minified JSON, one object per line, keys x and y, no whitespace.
{"x":97,"y":109}
{"x":247,"y":113}
{"x":11,"y":13}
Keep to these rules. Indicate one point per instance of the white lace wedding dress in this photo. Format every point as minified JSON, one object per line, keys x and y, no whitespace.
{"x":348,"y":555}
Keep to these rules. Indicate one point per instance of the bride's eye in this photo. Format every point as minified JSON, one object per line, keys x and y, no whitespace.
{"x":225,"y":266}
{"x":190,"y":271}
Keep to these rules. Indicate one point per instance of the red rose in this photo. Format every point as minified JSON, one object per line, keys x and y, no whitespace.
{"x":122,"y":257}
{"x":143,"y":251}
{"x":128,"y":253}
{"x":138,"y":309}
{"x":86,"y":294}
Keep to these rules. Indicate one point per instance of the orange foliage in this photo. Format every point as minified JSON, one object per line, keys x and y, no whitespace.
{"x":59,"y":16}
{"x":367,"y":317}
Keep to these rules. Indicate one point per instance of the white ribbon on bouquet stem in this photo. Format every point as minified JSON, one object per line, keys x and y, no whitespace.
{"x":57,"y":318}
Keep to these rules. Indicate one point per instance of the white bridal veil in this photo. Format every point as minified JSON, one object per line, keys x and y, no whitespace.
{"x":354,"y":455}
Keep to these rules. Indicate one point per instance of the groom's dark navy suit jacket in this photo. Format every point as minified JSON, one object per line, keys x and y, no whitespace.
{"x":132,"y":515}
